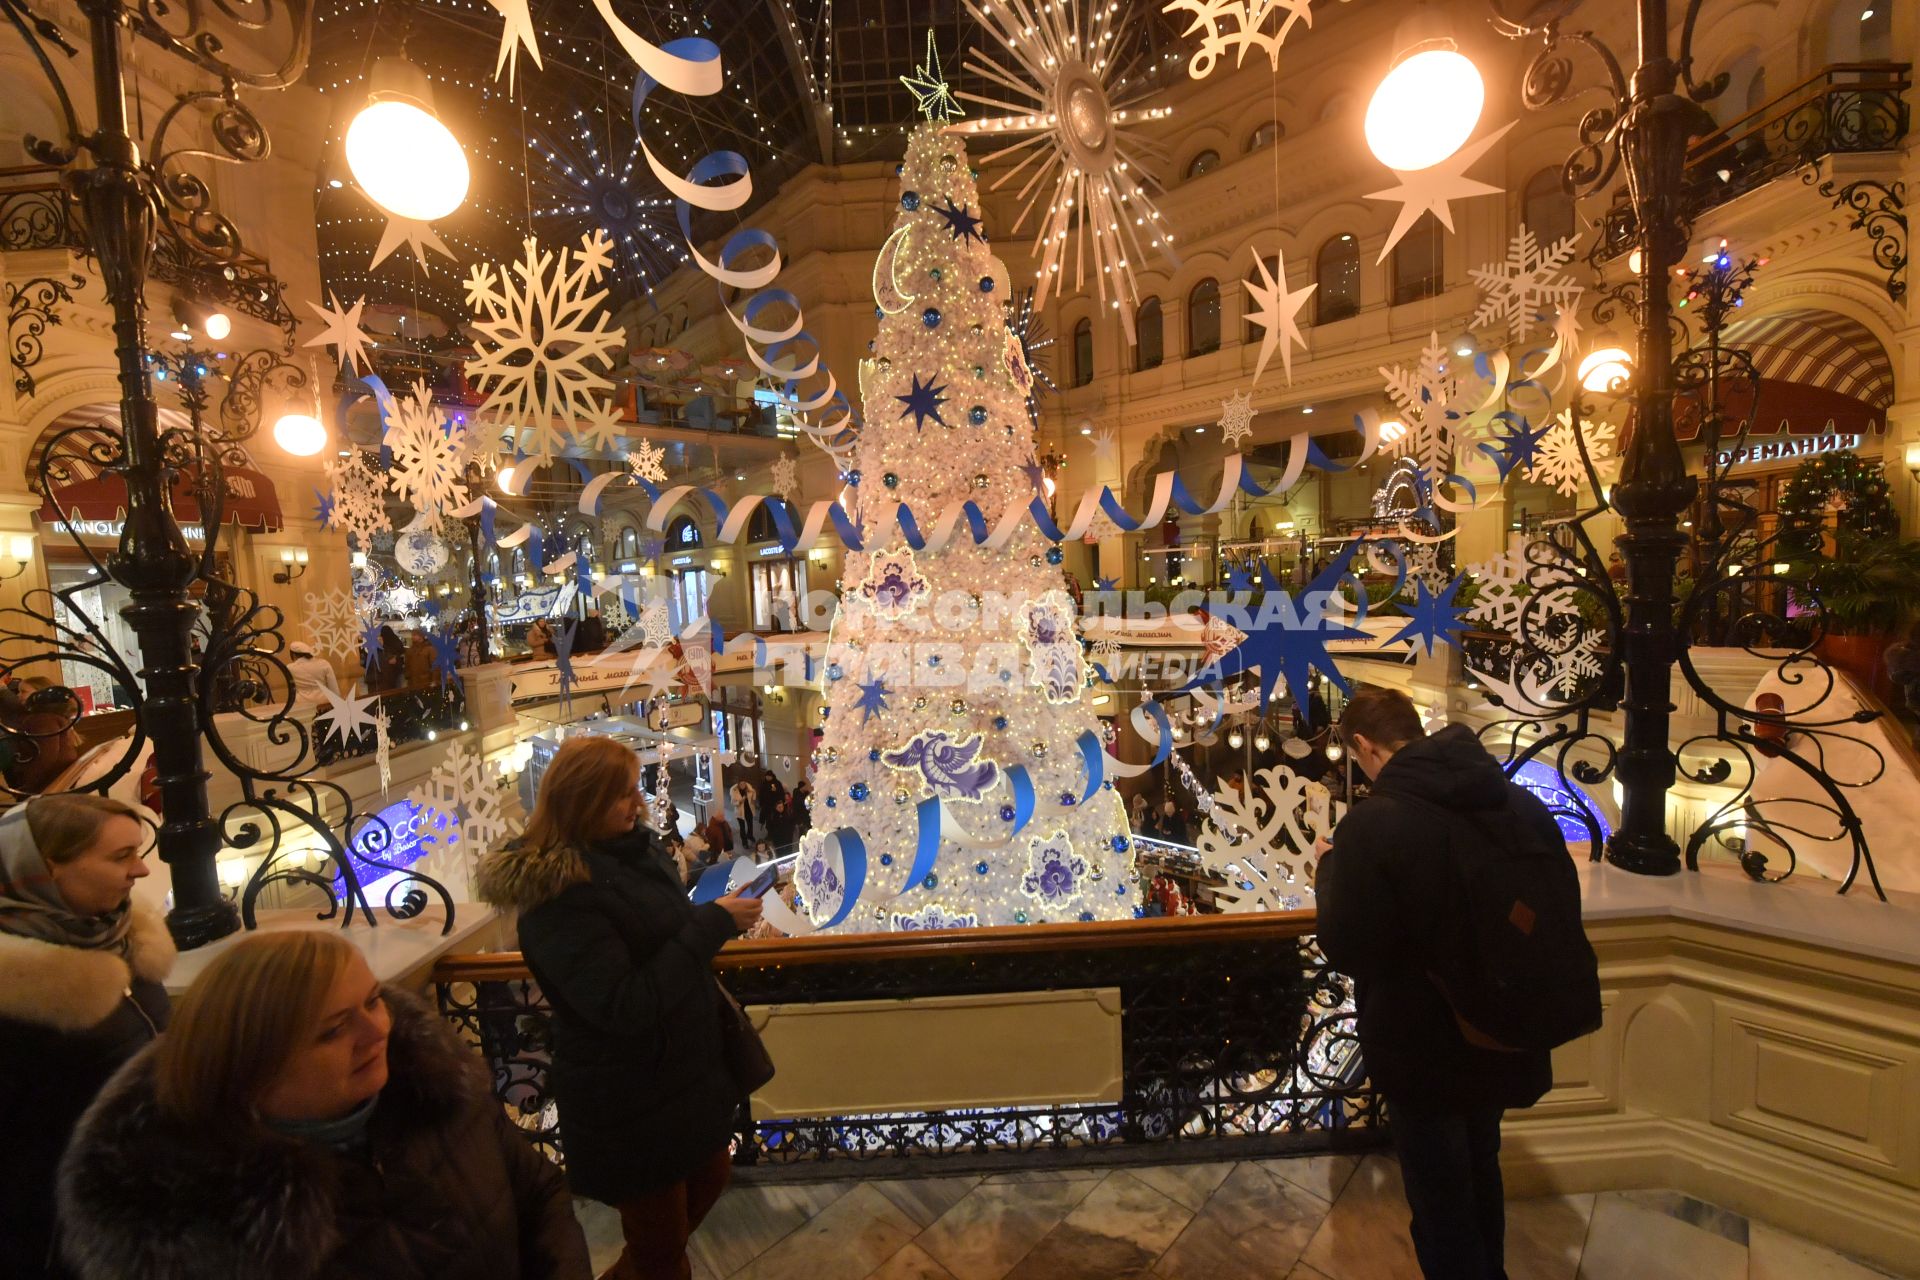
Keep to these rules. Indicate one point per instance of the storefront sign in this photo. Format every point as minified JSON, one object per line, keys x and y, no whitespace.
{"x":1791,"y":447}
{"x":775,"y":550}
{"x":392,"y":838}
{"x":678,"y":561}
{"x":110,"y":529}
{"x":676,"y":715}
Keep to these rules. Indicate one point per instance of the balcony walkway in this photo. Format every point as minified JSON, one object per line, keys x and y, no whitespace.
{"x":1307,"y":1218}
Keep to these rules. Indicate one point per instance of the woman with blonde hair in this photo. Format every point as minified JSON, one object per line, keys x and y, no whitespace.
{"x":80,"y":974}
{"x":301,"y":1121}
{"x":647,"y":1099}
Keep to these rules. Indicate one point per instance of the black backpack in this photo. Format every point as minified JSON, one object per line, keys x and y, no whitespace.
{"x":1512,"y":957}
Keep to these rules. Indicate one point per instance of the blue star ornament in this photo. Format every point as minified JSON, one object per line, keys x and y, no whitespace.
{"x":1285,"y":639}
{"x":873,"y":699}
{"x":1239,"y":578}
{"x":923,"y":401}
{"x":1434,"y":618}
{"x":323,"y":509}
{"x":960,"y":221}
{"x":1518,"y":449}
{"x":446,"y":655}
{"x":1106,"y":584}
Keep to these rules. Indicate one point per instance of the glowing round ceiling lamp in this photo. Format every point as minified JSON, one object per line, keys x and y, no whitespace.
{"x":1428,"y":104}
{"x":403,"y":157}
{"x":504,"y":478}
{"x":300,"y":434}
{"x":1605,"y":369}
{"x":1392,"y":430}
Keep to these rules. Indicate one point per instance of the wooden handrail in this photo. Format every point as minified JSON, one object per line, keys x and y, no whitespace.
{"x":886,"y":948}
{"x":1893,"y":79}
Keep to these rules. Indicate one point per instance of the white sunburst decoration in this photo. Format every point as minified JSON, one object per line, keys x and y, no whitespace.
{"x":1083,"y":166}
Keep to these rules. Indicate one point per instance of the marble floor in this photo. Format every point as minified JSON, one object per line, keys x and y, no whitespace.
{"x":1304,"y":1218}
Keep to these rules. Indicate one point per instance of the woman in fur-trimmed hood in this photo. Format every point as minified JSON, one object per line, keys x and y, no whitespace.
{"x":300,"y":1121}
{"x":647,"y":1102}
{"x":80,"y":993}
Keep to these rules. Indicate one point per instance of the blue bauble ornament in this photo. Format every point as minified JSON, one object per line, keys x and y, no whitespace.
{"x":1006,"y":813}
{"x":909,"y":199}
{"x":899,"y":170}
{"x":933,"y":659}
{"x":1119,"y":844}
{"x":859,"y":791}
{"x":1086,"y":916}
{"x":1055,"y":555}
{"x":886,"y":859}
{"x":1006,"y":677}
{"x":986,"y":284}
{"x":1067,"y":798}
{"x":890,"y":480}
{"x":833,"y":671}
{"x":853,"y":477}
{"x":977,"y":415}
{"x":874,"y":754}
{"x":1020,"y":917}
{"x":1000,"y":722}
{"x":930,"y":317}
{"x":879,"y":313}
{"x":935,"y":273}
{"x":830,"y":803}
{"x":981,"y":867}
{"x":932,"y":881}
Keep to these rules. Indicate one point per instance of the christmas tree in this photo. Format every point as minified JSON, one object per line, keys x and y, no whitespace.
{"x":956,"y":691}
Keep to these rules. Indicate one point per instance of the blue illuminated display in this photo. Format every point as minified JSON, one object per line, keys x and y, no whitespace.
{"x":1566,"y":799}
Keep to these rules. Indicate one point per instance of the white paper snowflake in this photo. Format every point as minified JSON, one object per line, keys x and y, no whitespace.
{"x":1512,"y":586}
{"x":359,"y":499}
{"x":1560,"y":464}
{"x":655,"y":628}
{"x":1236,"y":418}
{"x":463,"y":789}
{"x":1263,"y":841}
{"x":1526,"y":289}
{"x":786,"y":476}
{"x":543,"y":341}
{"x":332,"y":623}
{"x":1426,"y":396}
{"x":648,"y":462}
{"x":428,"y":453}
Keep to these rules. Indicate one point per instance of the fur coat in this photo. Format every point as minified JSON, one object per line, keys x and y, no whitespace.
{"x":447,"y":1188}
{"x":626,"y":963}
{"x":68,"y":1019}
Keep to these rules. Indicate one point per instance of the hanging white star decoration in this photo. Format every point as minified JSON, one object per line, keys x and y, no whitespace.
{"x":1236,"y":418}
{"x":428,"y":454}
{"x":416,"y":236}
{"x":1432,"y":190}
{"x":786,"y":476}
{"x":1527,"y":288}
{"x":1106,"y":447}
{"x":515,"y":34}
{"x":648,"y":462}
{"x":343,"y":333}
{"x":1090,"y":184}
{"x":543,"y":342}
{"x":345,"y":714}
{"x":1277,"y":312}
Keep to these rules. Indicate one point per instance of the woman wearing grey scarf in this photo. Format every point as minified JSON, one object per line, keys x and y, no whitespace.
{"x":80,"y":992}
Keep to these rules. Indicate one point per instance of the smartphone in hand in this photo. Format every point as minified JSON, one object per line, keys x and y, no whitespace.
{"x":759,"y":885}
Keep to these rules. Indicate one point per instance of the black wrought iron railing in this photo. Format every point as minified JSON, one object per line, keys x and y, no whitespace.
{"x":35,"y":213}
{"x":413,"y":715}
{"x":1235,"y":1034}
{"x":1845,"y":108}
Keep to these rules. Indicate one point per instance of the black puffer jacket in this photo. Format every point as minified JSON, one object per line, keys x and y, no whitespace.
{"x":447,"y":1188}
{"x":1381,"y":893}
{"x":68,"y":1019}
{"x":626,"y":963}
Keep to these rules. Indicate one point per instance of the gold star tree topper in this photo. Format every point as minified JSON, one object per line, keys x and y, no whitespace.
{"x":929,"y":88}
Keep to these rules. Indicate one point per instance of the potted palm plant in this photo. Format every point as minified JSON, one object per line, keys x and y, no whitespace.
{"x":1868,"y":591}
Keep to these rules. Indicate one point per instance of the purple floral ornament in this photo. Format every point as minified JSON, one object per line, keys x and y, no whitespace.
{"x":1053,"y":647}
{"x":933,"y":916}
{"x":894,"y":586}
{"x":820,"y":876}
{"x":1054,"y":870}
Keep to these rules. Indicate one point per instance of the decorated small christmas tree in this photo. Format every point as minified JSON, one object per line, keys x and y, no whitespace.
{"x":956,"y":693}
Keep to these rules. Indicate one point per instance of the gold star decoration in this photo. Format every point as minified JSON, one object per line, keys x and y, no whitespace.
{"x":343,"y":333}
{"x":929,"y":88}
{"x":1430,"y":190}
{"x":1277,"y":312}
{"x":415,"y":235}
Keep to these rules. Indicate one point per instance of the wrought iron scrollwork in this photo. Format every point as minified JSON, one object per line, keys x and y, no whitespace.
{"x":31,"y":309}
{"x":1879,"y":208}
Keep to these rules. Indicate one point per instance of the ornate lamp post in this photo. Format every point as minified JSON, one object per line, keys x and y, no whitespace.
{"x":130,"y":198}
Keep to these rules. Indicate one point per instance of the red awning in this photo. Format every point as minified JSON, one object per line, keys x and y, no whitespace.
{"x":1786,"y":408}
{"x":251,"y":500}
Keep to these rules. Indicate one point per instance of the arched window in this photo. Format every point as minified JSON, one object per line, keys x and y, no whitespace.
{"x":1860,"y":31}
{"x":683,"y":533}
{"x":517,"y":565}
{"x":760,"y":526}
{"x":1336,"y":270}
{"x":627,"y":545}
{"x":1203,"y":318}
{"x":1254,"y":331}
{"x":1205,"y":162}
{"x":1419,"y":262}
{"x":1083,"y":353}
{"x":1150,"y":342}
{"x":1546,"y":208}
{"x":1266,"y":135}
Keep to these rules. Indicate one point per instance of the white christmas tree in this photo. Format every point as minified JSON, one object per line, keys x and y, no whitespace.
{"x":955,"y":673}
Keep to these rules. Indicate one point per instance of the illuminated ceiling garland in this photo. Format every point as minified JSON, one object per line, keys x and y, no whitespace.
{"x":578,"y":183}
{"x":1090,"y":158}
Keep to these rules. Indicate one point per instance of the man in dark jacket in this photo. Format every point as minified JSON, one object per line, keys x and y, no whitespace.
{"x":1385,"y":889}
